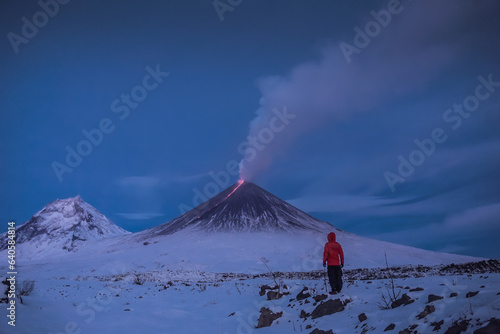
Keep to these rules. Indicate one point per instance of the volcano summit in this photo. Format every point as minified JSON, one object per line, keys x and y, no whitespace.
{"x":244,"y":207}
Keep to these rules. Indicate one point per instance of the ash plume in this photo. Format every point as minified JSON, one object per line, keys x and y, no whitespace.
{"x":401,"y":60}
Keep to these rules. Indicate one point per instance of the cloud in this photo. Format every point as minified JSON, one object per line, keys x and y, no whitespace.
{"x":140,"y":215}
{"x":339,"y":203}
{"x":482,"y":218}
{"x":417,"y":46}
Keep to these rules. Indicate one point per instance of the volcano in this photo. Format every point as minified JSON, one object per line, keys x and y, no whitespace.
{"x":244,"y":207}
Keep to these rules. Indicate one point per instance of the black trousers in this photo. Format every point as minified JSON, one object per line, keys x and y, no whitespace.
{"x":335,"y":277}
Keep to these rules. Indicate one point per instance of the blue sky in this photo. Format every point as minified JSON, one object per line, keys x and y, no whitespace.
{"x":335,"y":98}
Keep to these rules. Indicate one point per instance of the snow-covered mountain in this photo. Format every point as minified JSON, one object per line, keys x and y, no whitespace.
{"x":243,"y":207}
{"x":232,"y":232}
{"x":62,"y":226}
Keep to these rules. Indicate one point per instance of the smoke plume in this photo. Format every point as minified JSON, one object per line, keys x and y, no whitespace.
{"x":405,"y":56}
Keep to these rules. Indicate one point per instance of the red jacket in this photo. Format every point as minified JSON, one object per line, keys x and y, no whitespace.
{"x":332,"y":252}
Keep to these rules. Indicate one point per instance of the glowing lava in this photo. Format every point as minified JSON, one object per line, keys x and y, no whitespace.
{"x":240,"y":182}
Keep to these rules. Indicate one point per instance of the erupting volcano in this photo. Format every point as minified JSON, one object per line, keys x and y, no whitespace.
{"x":243,"y":207}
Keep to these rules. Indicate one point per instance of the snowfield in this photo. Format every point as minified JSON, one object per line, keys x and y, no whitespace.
{"x":185,"y":305}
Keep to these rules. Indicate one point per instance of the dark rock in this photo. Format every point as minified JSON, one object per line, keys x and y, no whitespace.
{"x":319,"y":298}
{"x":492,"y":328}
{"x":427,"y":310}
{"x":433,"y":298}
{"x":412,"y":327}
{"x":309,"y":326}
{"x":329,"y":307}
{"x":416,"y":289}
{"x":471,"y":294}
{"x":303,"y":294}
{"x":319,"y":331}
{"x":231,"y":314}
{"x":127,"y":309}
{"x":458,"y":327}
{"x":404,"y":300}
{"x":390,"y":327}
{"x":453,"y":294}
{"x":267,"y":317}
{"x":273,"y":295}
{"x":362,"y":317}
{"x":303,"y":314}
{"x":437,"y":325}
{"x":263,"y":289}
{"x":405,"y":331}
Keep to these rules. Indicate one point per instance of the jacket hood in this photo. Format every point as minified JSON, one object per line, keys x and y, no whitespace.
{"x":331,"y":237}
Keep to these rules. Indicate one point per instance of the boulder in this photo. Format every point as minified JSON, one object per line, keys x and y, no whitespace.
{"x":404,"y":300}
{"x":319,"y":298}
{"x":267,"y":317}
{"x":492,"y":328}
{"x":329,"y":307}
{"x":303,"y":294}
{"x":427,"y":310}
{"x":432,"y":298}
{"x":471,"y":294}
{"x":390,"y":327}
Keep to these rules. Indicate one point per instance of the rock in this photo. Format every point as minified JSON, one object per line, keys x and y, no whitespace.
{"x":309,"y":326}
{"x":273,"y":295}
{"x":329,"y":307}
{"x":412,"y":327}
{"x":427,"y":310}
{"x":267,"y":317}
{"x":458,"y":327}
{"x":453,"y":294}
{"x":319,"y":331}
{"x":303,"y":314}
{"x":319,"y":298}
{"x":362,"y":317}
{"x":492,"y":328}
{"x":231,"y":314}
{"x":303,"y":294}
{"x":404,"y":300}
{"x":471,"y":294}
{"x":437,"y":325}
{"x":390,"y":327}
{"x":433,"y":298}
{"x":127,"y":309}
{"x":263,"y":289}
{"x":416,"y":289}
{"x":405,"y":331}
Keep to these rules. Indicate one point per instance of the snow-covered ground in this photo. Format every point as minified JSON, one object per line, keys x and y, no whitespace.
{"x":87,"y":305}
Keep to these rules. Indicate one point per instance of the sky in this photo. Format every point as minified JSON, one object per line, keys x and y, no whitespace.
{"x":380,"y":117}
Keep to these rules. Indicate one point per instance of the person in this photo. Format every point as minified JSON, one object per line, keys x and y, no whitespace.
{"x":333,"y":256}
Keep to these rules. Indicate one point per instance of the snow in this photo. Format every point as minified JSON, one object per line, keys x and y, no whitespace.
{"x":203,"y":272}
{"x":186,"y":307}
{"x":60,"y":227}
